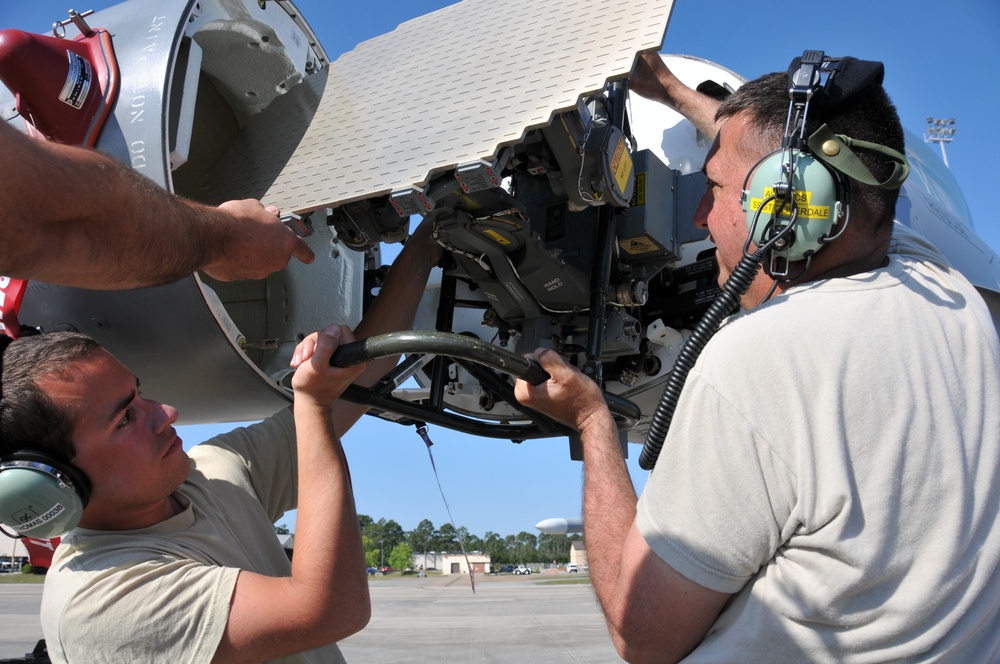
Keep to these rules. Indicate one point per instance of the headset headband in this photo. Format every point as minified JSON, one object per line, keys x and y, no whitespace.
{"x":846,"y":77}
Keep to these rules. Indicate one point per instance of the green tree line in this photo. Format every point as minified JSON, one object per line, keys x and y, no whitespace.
{"x":386,"y":543}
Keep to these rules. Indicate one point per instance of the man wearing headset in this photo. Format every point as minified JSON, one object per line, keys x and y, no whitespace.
{"x":829,"y":488}
{"x":76,"y":217}
{"x":175,"y":558}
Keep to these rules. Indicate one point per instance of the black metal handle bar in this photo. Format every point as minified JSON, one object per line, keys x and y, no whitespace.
{"x":464,"y":347}
{"x":440,"y":343}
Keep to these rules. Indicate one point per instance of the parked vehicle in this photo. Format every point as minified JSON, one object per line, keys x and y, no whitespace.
{"x":572,"y":567}
{"x":522,"y":569}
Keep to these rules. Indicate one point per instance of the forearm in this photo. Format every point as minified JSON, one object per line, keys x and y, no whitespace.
{"x":326,"y":597}
{"x":396,"y":304}
{"x":699,"y":109}
{"x":71,"y":215}
{"x":654,"y":613}
{"x":654,"y":80}
{"x":329,"y":563}
{"x":393,"y":310}
{"x":609,"y":502}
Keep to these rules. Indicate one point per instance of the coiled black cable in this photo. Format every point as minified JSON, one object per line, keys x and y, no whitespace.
{"x":735,"y":287}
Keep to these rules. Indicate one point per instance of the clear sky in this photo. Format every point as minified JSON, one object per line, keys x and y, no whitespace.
{"x":939,"y":61}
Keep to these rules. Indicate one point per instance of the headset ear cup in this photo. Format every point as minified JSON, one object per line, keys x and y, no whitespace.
{"x":41,"y":496}
{"x":816,"y":196}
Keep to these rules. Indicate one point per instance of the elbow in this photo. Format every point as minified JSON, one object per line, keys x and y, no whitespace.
{"x":353,"y":618}
{"x":321,"y":626}
{"x":360,"y":619}
{"x":638,"y":645}
{"x":642,"y":654}
{"x":635,"y":651}
{"x":348,"y":620}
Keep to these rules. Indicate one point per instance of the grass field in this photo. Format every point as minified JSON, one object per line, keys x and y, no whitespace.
{"x":566,"y":582}
{"x":17,"y":577}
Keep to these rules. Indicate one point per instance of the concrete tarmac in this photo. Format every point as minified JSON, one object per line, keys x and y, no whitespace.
{"x":434,"y":619}
{"x":20,"y":627}
{"x":508,"y":619}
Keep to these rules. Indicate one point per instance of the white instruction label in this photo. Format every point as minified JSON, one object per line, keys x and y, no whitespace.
{"x":78,"y":80}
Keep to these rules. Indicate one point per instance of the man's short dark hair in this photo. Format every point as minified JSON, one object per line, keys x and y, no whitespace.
{"x":29,"y":419}
{"x":868,"y":116}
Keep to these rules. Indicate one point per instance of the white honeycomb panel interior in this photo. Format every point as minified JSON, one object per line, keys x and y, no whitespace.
{"x":447,"y":88}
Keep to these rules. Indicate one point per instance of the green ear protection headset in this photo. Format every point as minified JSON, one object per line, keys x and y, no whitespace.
{"x":794,"y":196}
{"x":41,"y":496}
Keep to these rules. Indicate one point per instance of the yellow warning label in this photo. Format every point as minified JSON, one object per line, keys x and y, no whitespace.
{"x":639,"y":195}
{"x":496,"y":237}
{"x":621,"y":165}
{"x":638,"y":245}
{"x":802,"y":201}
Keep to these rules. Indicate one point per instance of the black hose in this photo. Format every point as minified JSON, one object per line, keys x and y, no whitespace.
{"x":459,"y":347}
{"x":440,"y":343}
{"x":729,"y":302}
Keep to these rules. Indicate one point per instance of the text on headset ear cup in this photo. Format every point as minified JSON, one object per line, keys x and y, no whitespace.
{"x":40,"y":496}
{"x":816,"y":196}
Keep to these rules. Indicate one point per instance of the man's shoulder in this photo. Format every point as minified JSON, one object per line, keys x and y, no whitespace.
{"x":759,"y":322}
{"x":160,"y":598}
{"x":105,"y":552}
{"x":93,"y":565}
{"x":908,"y":243}
{"x":277,"y":427}
{"x":82,"y":562}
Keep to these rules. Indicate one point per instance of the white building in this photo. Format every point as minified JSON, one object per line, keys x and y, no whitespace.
{"x":456,"y":563}
{"x":427,"y":560}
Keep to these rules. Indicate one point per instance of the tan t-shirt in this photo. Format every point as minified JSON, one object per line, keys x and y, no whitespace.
{"x":834,"y":462}
{"x":162,"y":594}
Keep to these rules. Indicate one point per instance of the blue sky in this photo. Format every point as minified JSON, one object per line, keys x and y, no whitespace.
{"x":939,"y":61}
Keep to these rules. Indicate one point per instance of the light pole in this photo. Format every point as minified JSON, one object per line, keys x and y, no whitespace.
{"x":940,"y":131}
